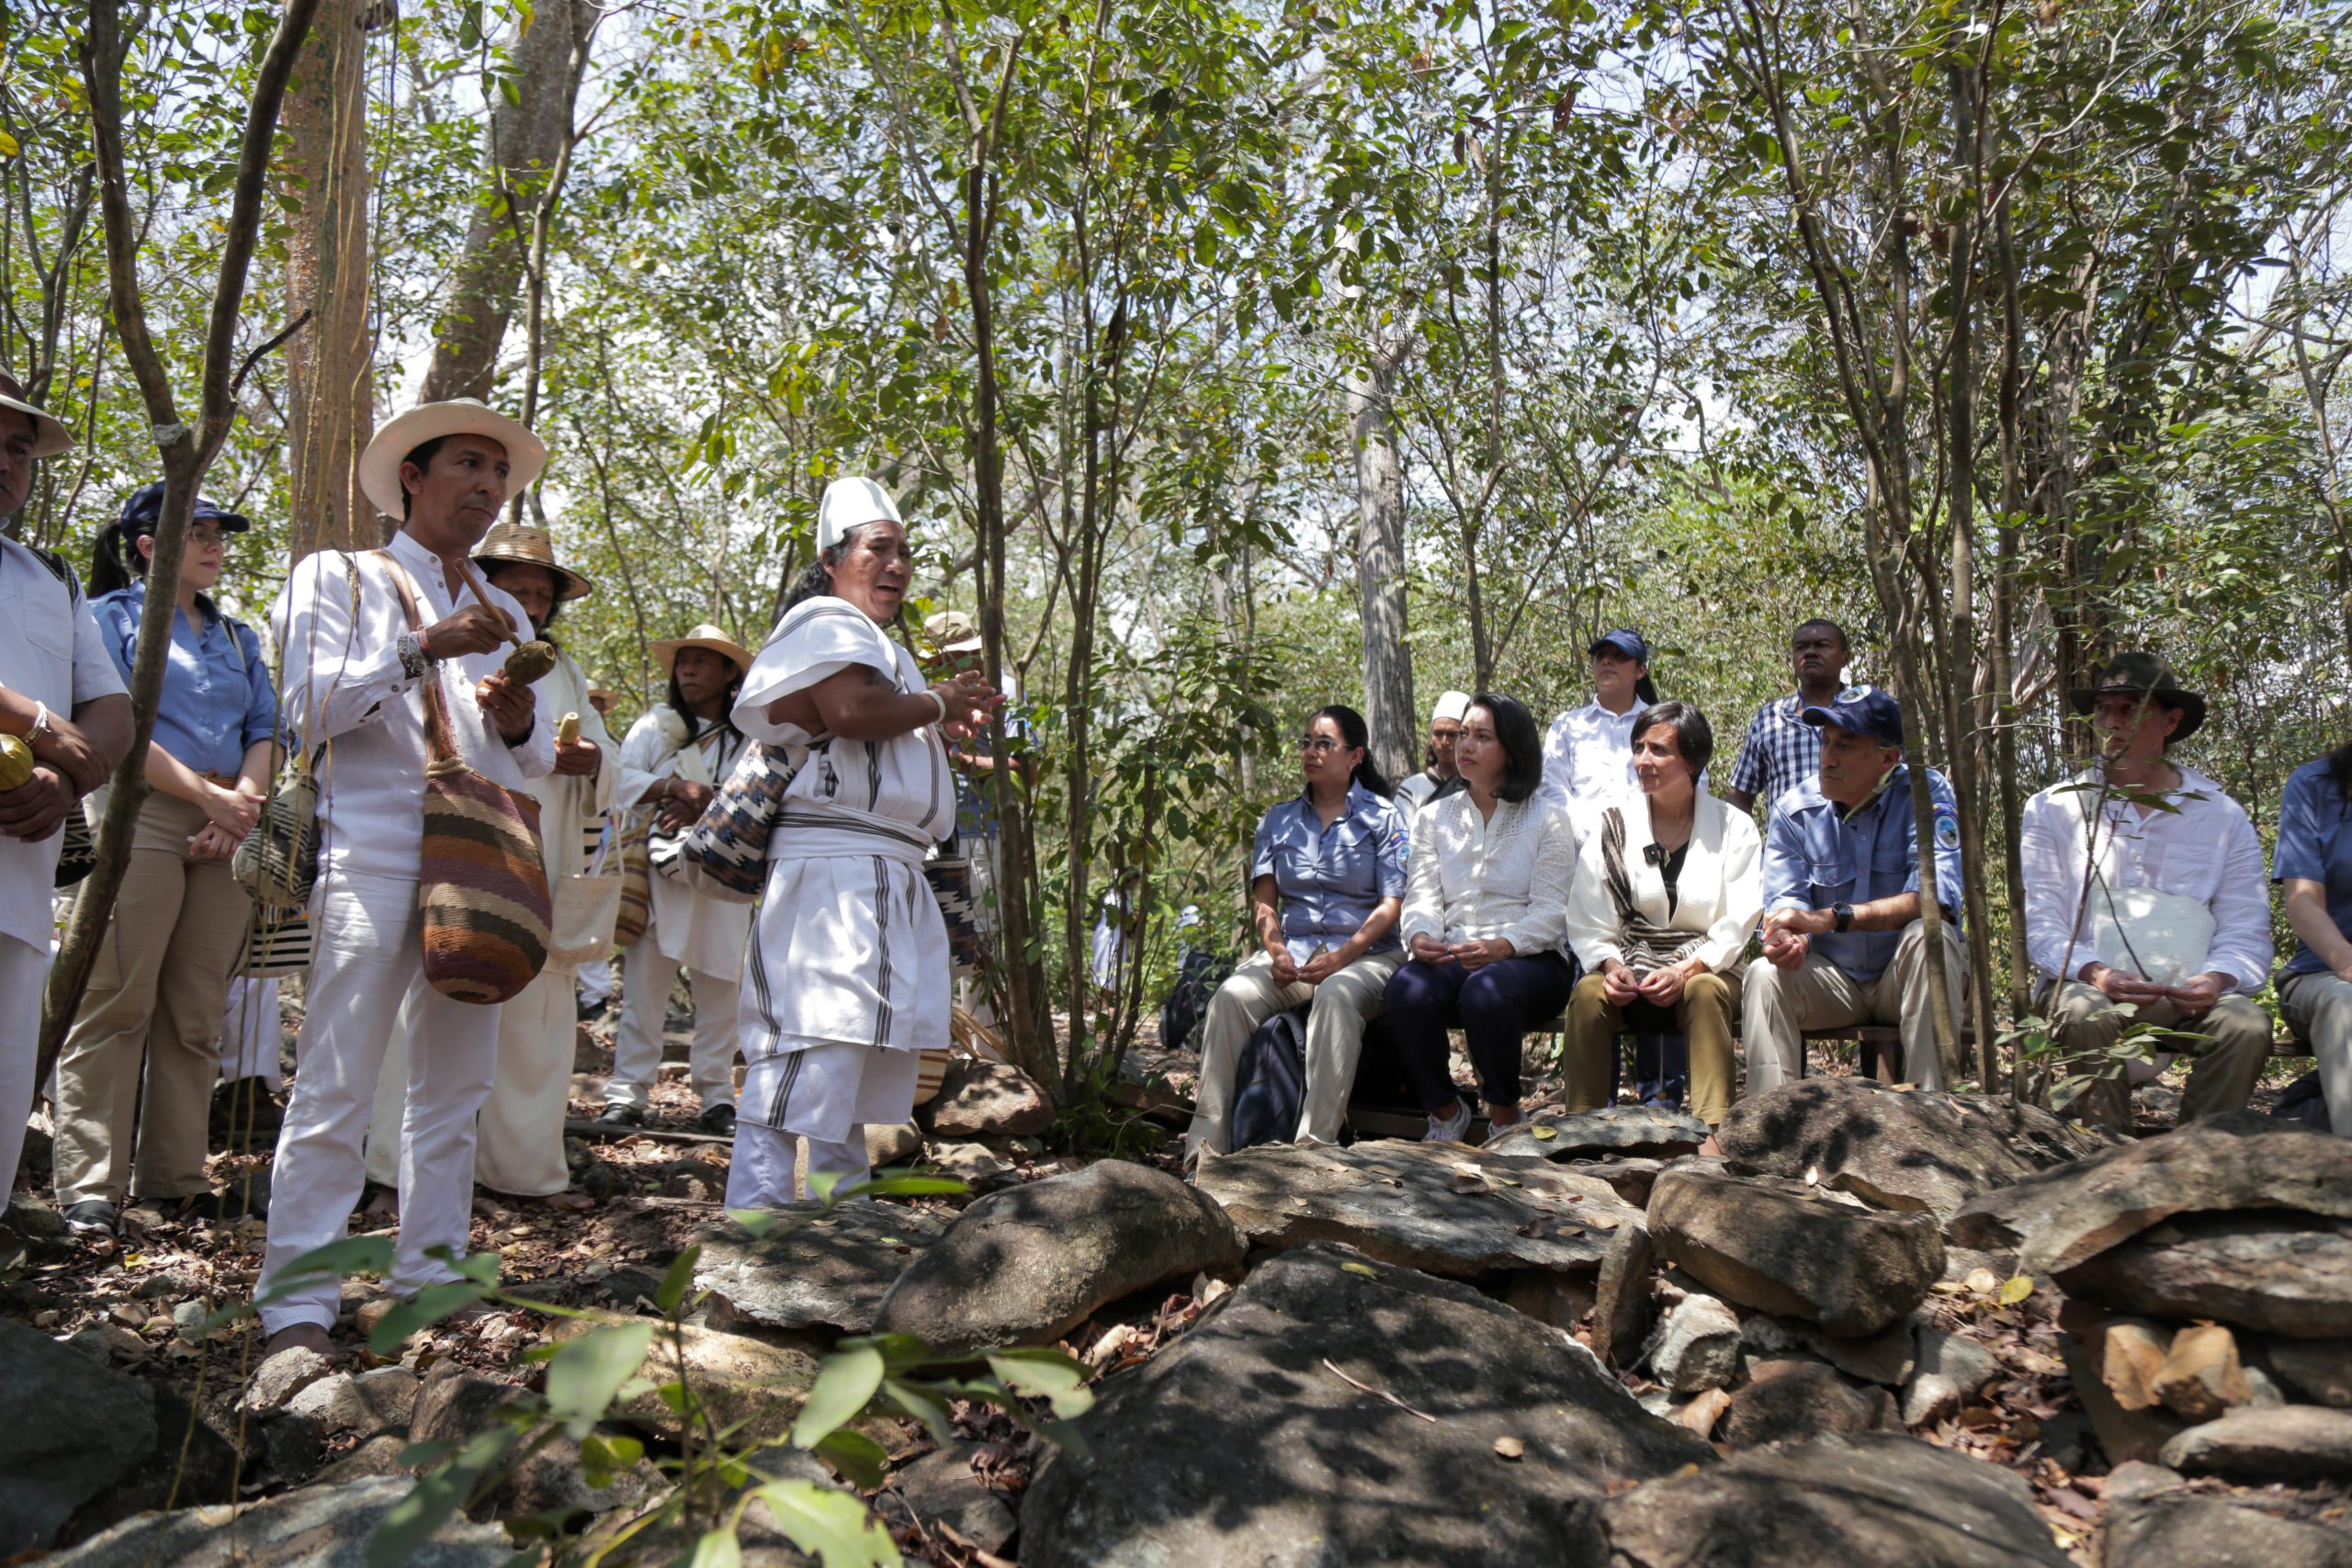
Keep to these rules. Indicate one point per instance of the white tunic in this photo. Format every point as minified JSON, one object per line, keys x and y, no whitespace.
{"x":849,"y":963}
{"x":704,"y":934}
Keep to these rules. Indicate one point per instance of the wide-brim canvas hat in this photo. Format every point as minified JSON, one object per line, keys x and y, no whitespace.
{"x":2142,"y":674}
{"x":519,"y":543}
{"x":50,"y":436}
{"x":380,"y":466}
{"x":952,"y":632}
{"x":704,"y":635}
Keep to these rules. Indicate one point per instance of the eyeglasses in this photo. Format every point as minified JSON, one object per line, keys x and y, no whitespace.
{"x":198,"y":534}
{"x":1317,"y":744}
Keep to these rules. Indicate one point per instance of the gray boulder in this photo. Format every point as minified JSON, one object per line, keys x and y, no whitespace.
{"x":2281,"y":1274}
{"x":817,"y":1266}
{"x":985,"y":1100}
{"x":1436,"y":1207}
{"x":2153,"y":1521}
{"x":1622,"y":1308}
{"x":1899,"y":1149}
{"x":1613,"y":1131}
{"x":1869,"y":1500}
{"x":1791,"y":1400}
{"x":2319,"y":1370}
{"x":1026,"y":1266}
{"x":2071,"y":1213}
{"x":736,"y":1376}
{"x":2284,"y":1442}
{"x":1696,"y":1346}
{"x":70,"y":1430}
{"x":1952,"y":1369}
{"x":316,"y":1527}
{"x":1335,"y":1410}
{"x":1883,"y":1358}
{"x":939,"y":1488}
{"x":1788,"y":1249}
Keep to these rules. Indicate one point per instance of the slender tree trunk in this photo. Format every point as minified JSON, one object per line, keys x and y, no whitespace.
{"x":1380,"y":552}
{"x":2004,"y":587}
{"x":330,"y":365}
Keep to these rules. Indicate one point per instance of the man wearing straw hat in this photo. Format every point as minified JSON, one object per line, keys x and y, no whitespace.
{"x":61,"y":699}
{"x":355,"y":677}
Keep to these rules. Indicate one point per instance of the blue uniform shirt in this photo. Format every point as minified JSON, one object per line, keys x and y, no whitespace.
{"x":1813,"y":859}
{"x":1330,"y":879}
{"x":2314,"y":846}
{"x":217,"y":697}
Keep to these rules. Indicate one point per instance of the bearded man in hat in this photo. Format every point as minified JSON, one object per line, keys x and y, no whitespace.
{"x":356,"y":675}
{"x":61,"y":698}
{"x":2145,"y":897}
{"x":520,"y":1150}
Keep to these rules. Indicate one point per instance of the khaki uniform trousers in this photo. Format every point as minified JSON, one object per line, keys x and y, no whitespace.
{"x":1704,"y":1014}
{"x":1249,"y":995}
{"x":1780,"y":1005}
{"x":156,"y":993}
{"x":2230,"y":1044}
{"x":2318,"y":1006}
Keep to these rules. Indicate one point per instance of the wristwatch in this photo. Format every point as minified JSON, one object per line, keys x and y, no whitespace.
{"x":1843,"y":913}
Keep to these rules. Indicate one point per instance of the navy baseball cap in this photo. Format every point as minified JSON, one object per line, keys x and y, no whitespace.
{"x":146,"y":504}
{"x":1624,"y":640}
{"x":1864,"y":710}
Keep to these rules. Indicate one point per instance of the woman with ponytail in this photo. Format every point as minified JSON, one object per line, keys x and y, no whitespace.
{"x":1326,"y":884}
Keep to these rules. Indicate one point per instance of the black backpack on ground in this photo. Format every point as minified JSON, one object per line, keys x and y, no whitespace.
{"x":1197,"y":978}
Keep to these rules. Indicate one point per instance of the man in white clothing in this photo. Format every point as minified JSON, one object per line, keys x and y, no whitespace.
{"x":1445,"y":730}
{"x":2145,"y":898}
{"x":60,"y":698}
{"x":356,"y":674}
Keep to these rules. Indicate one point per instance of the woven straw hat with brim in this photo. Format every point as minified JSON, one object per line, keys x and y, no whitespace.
{"x":50,"y":435}
{"x":519,"y":543}
{"x":2141,"y":675}
{"x":704,"y":635}
{"x":380,"y":466}
{"x":951,"y":632}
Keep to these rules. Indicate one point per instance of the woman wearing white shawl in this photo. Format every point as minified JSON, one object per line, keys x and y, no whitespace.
{"x":848,"y":972}
{"x":675,"y":754}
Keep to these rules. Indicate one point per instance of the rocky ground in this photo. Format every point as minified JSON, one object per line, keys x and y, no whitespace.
{"x":1877,"y":1327}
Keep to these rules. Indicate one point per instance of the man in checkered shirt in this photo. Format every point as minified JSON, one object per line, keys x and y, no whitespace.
{"x":1782,"y":750}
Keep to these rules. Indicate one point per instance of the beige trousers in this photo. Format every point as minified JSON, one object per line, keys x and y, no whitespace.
{"x":519,"y":1149}
{"x":1249,"y":995}
{"x":1779,"y":1005}
{"x":151,"y":1017}
{"x":2230,"y":1044}
{"x":1708,"y":1003}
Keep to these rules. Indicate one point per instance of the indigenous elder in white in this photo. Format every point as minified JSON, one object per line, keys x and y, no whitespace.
{"x":1667,"y":891}
{"x":1438,"y":770}
{"x":61,"y":698}
{"x":1486,"y":919}
{"x":2156,"y":904}
{"x":354,"y":676}
{"x":677,"y":753}
{"x":519,"y":1150}
{"x":2314,"y":865}
{"x":1844,"y":943}
{"x":1782,"y":750}
{"x":134,"y":1079}
{"x":1326,"y":885}
{"x":849,"y":966}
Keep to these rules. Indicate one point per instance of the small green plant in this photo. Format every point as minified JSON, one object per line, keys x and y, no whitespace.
{"x":2066,"y":1075}
{"x":719,"y":1470}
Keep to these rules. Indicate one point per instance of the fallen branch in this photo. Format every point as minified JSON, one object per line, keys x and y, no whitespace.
{"x":1379,"y":1394}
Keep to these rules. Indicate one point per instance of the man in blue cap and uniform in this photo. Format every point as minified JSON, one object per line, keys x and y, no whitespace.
{"x":1844,"y":943}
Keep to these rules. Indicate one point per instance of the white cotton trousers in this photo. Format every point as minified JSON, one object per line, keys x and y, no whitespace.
{"x":518,"y":1150}
{"x":596,"y":982}
{"x":369,"y":954}
{"x":637,"y":1047}
{"x":24,"y":971}
{"x":760,"y":1172}
{"x":249,"y":1031}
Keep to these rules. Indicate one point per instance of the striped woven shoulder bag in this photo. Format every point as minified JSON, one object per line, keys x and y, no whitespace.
{"x":482,"y":879}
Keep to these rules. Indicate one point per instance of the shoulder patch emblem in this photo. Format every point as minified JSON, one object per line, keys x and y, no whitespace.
{"x":1947,"y":828}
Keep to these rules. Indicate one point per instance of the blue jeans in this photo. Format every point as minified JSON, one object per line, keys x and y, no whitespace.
{"x":1495,"y":1006}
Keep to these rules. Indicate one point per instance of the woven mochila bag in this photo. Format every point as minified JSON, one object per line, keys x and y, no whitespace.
{"x":482,"y":879}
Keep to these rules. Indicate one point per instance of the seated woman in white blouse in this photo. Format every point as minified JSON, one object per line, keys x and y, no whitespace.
{"x":1667,"y":890}
{"x":1485,"y":918}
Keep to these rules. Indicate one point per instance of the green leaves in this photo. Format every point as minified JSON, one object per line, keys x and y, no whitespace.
{"x":831,"y":1525}
{"x":587,"y":1373}
{"x":844,"y":1383}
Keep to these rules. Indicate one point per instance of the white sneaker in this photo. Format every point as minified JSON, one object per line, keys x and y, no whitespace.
{"x":1449,"y":1129}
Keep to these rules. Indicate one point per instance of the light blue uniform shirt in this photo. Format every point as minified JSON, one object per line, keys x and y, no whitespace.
{"x":1330,"y":879}
{"x":2314,"y":846}
{"x":217,"y":697}
{"x":1813,"y":858}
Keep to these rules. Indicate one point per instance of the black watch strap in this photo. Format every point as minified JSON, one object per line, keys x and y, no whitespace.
{"x":1845,"y":914}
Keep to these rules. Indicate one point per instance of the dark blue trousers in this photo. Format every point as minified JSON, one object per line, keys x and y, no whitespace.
{"x":1494,"y":1006}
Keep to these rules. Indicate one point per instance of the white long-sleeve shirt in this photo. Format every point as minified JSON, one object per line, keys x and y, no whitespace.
{"x":2206,"y":849}
{"x":1471,"y":879}
{"x":1589,"y":756}
{"x":344,"y":685}
{"x":704,"y":934}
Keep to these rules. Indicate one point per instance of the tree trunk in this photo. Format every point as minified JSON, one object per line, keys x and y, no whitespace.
{"x":1380,"y":552}
{"x":331,"y":401}
{"x":527,"y":140}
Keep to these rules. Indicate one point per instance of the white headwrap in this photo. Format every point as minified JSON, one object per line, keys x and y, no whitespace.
{"x":852,"y":503}
{"x":1453,"y":705}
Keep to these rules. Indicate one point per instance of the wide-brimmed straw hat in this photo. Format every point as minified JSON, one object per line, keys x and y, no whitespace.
{"x":2142,"y":674}
{"x":519,"y":543}
{"x":704,"y":635}
{"x":951,"y":632}
{"x":50,"y":435}
{"x":380,"y":466}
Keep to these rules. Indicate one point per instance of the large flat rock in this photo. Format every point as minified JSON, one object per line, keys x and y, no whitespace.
{"x":2242,"y":1160}
{"x":1862,"y":1500}
{"x":2283,"y":1442}
{"x":817,"y":1266}
{"x":1437,"y":1207}
{"x":1335,"y":1410}
{"x":1899,"y":1149}
{"x":70,"y":1430}
{"x":313,"y":1527}
{"x":737,"y":1378}
{"x":2282,"y":1273}
{"x":2153,"y":1521}
{"x":1613,"y":1131}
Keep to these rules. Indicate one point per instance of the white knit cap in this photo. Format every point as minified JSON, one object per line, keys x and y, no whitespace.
{"x":852,"y":503}
{"x":1453,"y":705}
